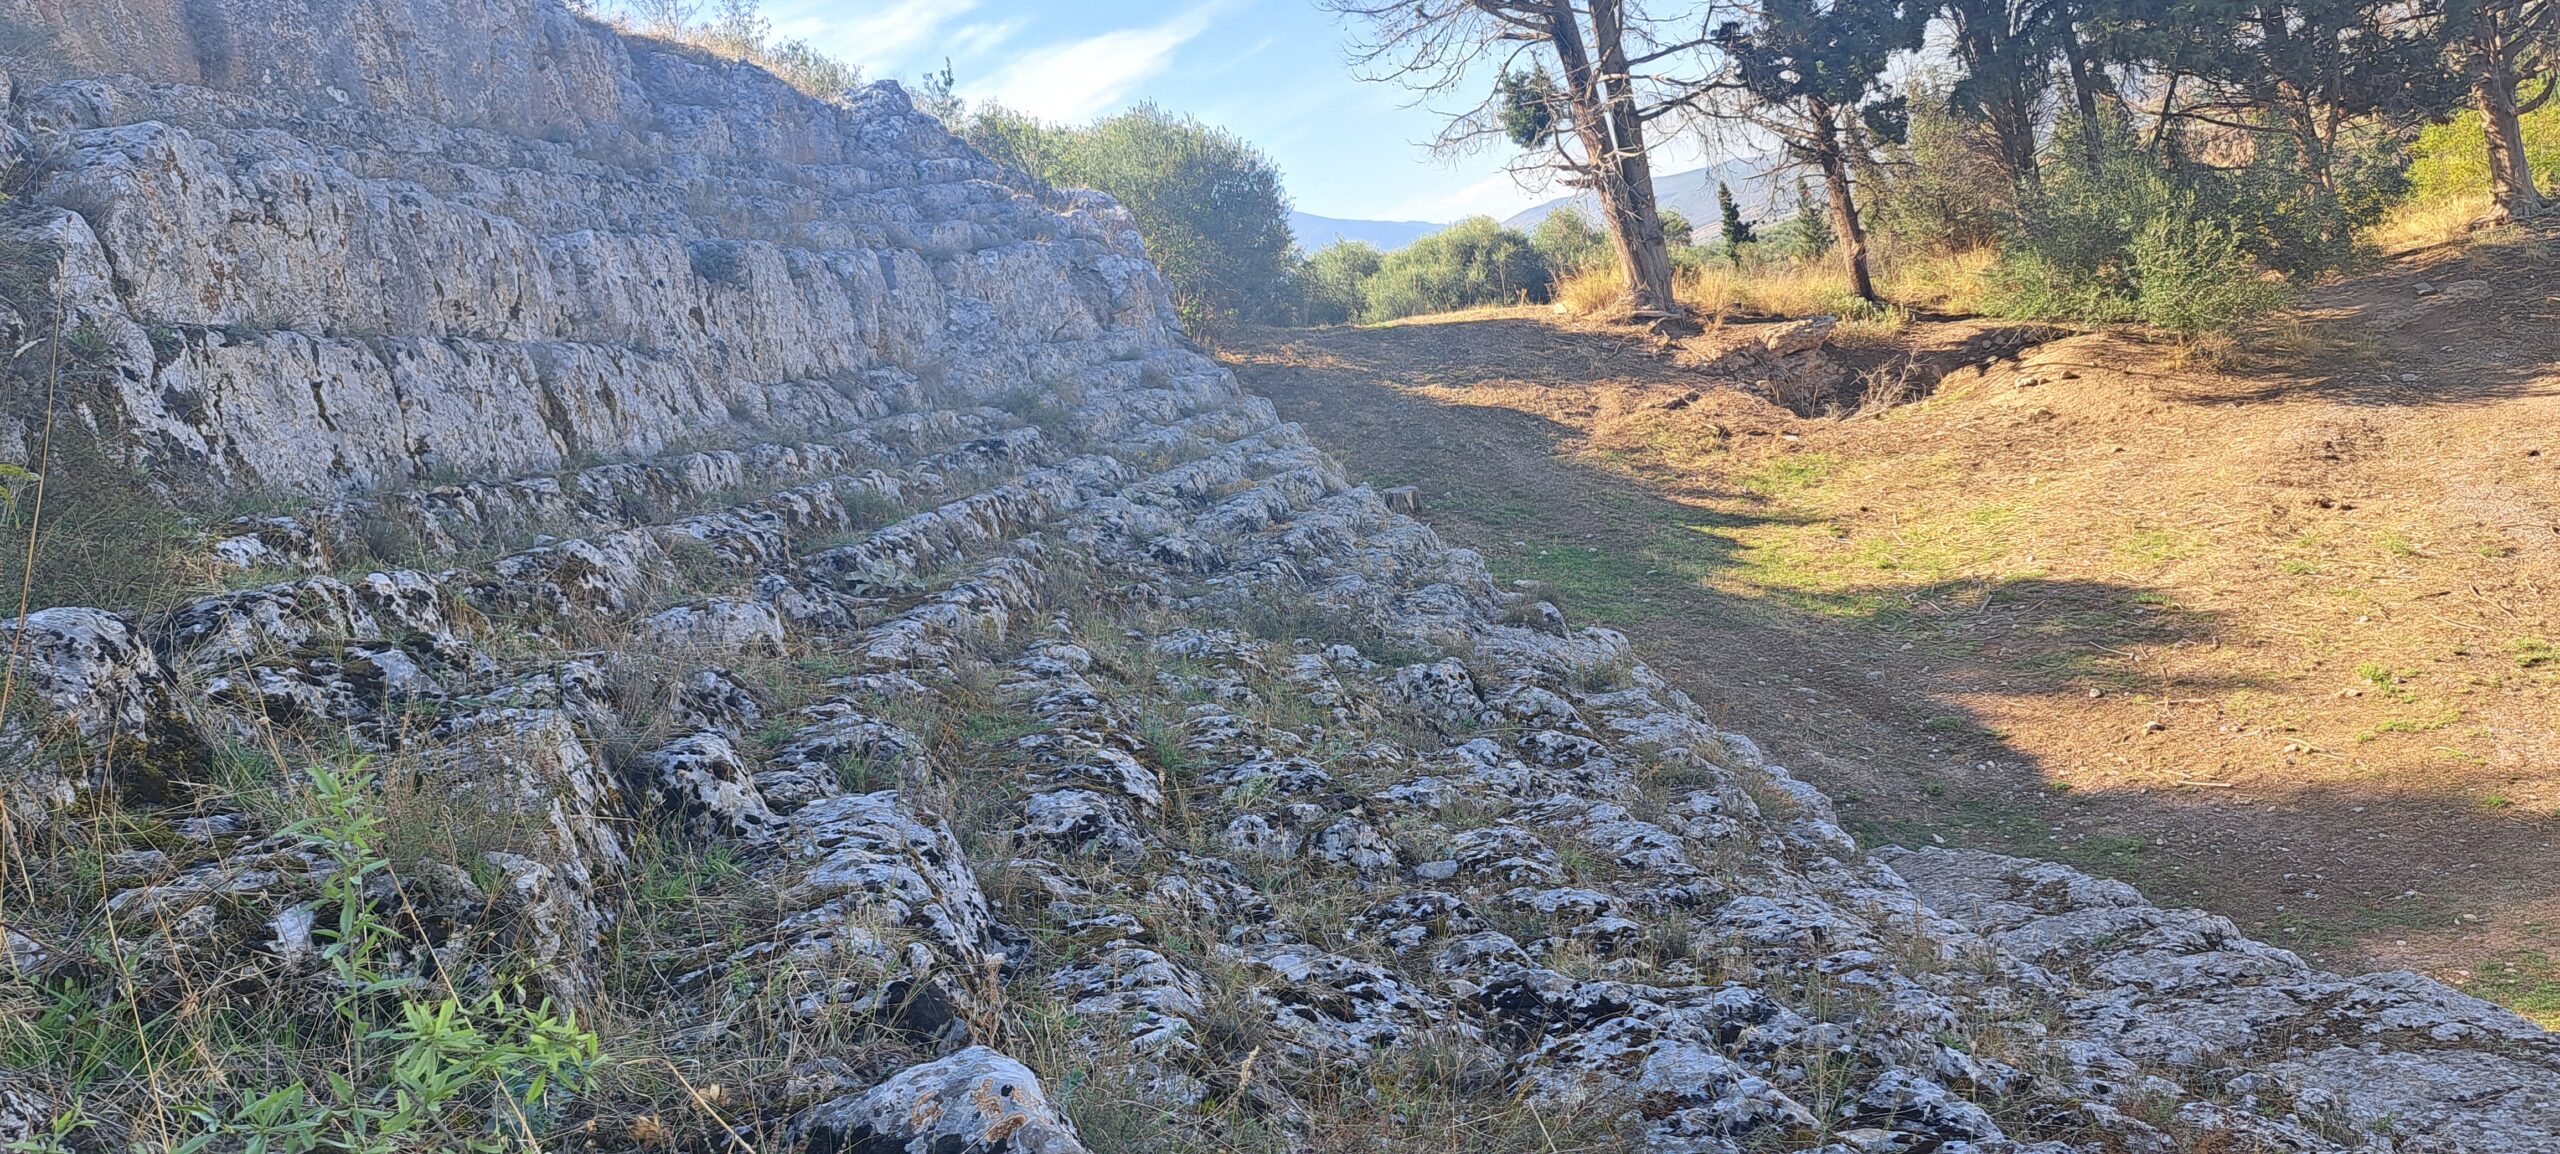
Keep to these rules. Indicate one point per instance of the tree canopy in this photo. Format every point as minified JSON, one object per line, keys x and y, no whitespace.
{"x":1210,"y":206}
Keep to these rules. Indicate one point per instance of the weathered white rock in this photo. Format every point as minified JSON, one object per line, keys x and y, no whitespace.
{"x":864,"y":857}
{"x":26,"y":1113}
{"x":111,"y":692}
{"x":1080,"y":820}
{"x":942,"y":418}
{"x":722,"y":626}
{"x":702,"y":779}
{"x":2186,"y":988}
{"x":976,"y":1101}
{"x":1787,"y":338}
{"x":1443,"y":690}
{"x":1339,"y":1007}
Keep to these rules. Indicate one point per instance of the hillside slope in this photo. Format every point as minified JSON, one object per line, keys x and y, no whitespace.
{"x":734,"y":569}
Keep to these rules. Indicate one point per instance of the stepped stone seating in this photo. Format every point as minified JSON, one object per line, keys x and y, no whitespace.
{"x":597,"y":374}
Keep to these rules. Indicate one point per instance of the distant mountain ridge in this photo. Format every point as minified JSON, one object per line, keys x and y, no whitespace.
{"x":1692,"y":194}
{"x":1315,"y":232}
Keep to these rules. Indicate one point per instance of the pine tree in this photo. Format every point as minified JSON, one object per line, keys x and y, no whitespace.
{"x":1737,"y":231}
{"x":1817,"y":74}
{"x":1615,"y":70}
{"x":1813,"y":222}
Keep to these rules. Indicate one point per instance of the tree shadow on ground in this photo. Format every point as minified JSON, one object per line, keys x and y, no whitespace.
{"x":2474,"y":329}
{"x":1863,"y":688}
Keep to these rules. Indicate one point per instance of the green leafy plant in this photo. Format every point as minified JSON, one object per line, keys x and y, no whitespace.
{"x":2138,"y":242}
{"x":1473,"y":262}
{"x":1333,"y":283}
{"x":1209,"y":205}
{"x":404,"y":1062}
{"x":1568,"y":243}
{"x":2194,"y":276}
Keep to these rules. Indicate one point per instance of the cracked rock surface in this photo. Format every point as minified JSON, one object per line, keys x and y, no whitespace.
{"x":678,"y":485}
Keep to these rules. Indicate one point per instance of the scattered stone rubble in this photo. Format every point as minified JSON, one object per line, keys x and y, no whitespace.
{"x":1288,"y":759}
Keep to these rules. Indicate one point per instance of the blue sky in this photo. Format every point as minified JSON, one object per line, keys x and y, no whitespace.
{"x":1271,"y":71}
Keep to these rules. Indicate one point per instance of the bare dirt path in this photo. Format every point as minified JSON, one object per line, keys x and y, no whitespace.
{"x":2277,"y":644}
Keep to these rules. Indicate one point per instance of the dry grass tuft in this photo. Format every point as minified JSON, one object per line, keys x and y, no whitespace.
{"x":2286,"y":343}
{"x":1591,"y":292}
{"x":2425,"y":224}
{"x":1716,"y":292}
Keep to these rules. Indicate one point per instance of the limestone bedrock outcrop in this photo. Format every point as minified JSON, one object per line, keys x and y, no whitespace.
{"x":449,"y":263}
{"x":595,"y":386}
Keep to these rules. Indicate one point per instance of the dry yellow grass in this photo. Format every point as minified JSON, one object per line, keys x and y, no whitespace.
{"x":1942,"y":282}
{"x":1592,"y":291}
{"x":1787,"y":290}
{"x":2427,"y":223}
{"x":2170,"y":621}
{"x":1951,"y":283}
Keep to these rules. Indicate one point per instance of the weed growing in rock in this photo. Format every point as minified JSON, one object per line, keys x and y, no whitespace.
{"x":403,"y":1059}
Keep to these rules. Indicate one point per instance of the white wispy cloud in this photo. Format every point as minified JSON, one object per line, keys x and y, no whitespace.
{"x":1497,"y":196}
{"x":986,"y":35}
{"x":883,"y":37}
{"x":1082,"y":78}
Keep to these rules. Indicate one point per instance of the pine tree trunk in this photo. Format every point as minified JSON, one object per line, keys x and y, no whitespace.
{"x":1604,"y":116}
{"x":2493,"y":88}
{"x":2014,"y":130}
{"x":1642,"y":246}
{"x":2010,"y":96}
{"x":1831,"y":156}
{"x":1649,"y":287}
{"x":2085,"y":95}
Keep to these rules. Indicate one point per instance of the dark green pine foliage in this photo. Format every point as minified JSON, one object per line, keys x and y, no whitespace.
{"x":1737,"y":231}
{"x":1816,"y":69}
{"x":1528,"y":101}
{"x":2007,"y":49}
{"x":1813,"y":222}
{"x":1826,"y":55}
{"x":2311,"y":69}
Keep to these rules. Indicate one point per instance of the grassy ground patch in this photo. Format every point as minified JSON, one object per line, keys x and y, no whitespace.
{"x":2526,"y":981}
{"x":2140,"y":593}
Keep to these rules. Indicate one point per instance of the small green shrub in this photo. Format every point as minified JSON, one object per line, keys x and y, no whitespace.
{"x":1568,"y":243}
{"x":1473,"y":262}
{"x":2030,"y":285}
{"x":407,"y":1061}
{"x":2194,"y":277}
{"x":1333,"y":284}
{"x":1209,"y":205}
{"x":2292,"y":220}
{"x":2134,"y":244}
{"x":1942,"y":189}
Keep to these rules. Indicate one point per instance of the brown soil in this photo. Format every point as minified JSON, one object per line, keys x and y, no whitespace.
{"x":2273,"y":639}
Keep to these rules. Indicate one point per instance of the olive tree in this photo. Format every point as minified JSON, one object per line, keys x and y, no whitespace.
{"x":1209,"y":205}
